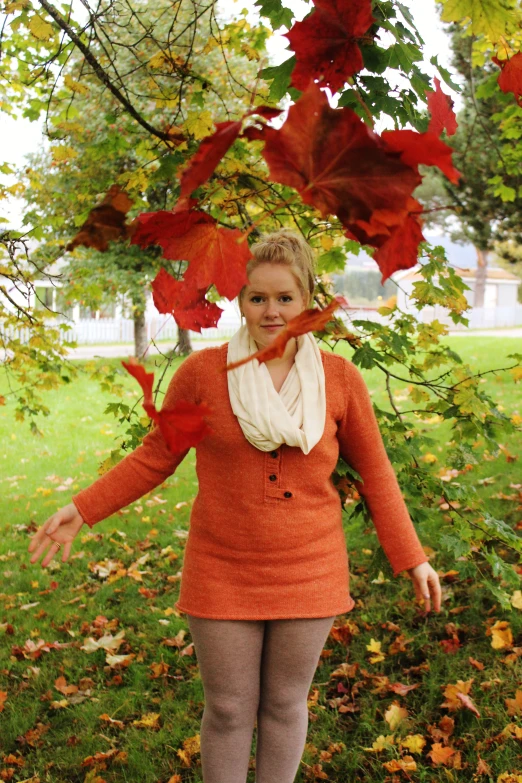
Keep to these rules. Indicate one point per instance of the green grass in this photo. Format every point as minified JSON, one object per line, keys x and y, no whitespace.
{"x":55,"y":735}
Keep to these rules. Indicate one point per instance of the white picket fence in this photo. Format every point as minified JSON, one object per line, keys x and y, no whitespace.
{"x":92,"y":331}
{"x":478,"y":317}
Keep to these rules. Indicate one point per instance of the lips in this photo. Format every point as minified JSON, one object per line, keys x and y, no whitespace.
{"x":272,"y":326}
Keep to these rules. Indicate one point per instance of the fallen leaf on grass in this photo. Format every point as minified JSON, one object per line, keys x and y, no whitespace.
{"x":440,"y":754}
{"x":395,"y":715}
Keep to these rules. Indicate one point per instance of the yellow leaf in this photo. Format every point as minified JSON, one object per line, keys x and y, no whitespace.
{"x":486,"y":16}
{"x":70,"y":127}
{"x":516,"y":419}
{"x":157,"y":60}
{"x":75,"y":86}
{"x":16,"y":5}
{"x":62,"y":153}
{"x":148,"y":721}
{"x":199,"y":125}
{"x":414,"y":743}
{"x":381,"y":743}
{"x":516,"y":599}
{"x":375,"y":647}
{"x":40,"y":28}
{"x":162,"y":59}
{"x":326,"y":242}
{"x":429,"y":458}
{"x":501,"y":635}
{"x":137,"y":179}
{"x":394,"y":715}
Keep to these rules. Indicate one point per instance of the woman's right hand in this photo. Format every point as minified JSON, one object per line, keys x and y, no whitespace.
{"x":61,"y":528}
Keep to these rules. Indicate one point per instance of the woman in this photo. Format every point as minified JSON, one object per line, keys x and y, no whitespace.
{"x":265,"y":569}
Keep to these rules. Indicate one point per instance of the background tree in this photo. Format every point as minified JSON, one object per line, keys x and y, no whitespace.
{"x":487,"y":200}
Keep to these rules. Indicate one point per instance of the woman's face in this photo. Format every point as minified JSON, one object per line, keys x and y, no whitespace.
{"x":271,"y":299}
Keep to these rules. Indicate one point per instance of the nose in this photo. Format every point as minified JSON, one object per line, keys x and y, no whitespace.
{"x":272,"y":309}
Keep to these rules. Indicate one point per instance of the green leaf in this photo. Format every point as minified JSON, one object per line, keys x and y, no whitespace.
{"x":375,"y":58}
{"x":456,"y":546}
{"x":280,"y":76}
{"x":502,"y":596}
{"x":446,"y":76}
{"x":275,"y":11}
{"x":403,"y":55}
{"x":366,"y":356}
{"x":331,"y":261}
{"x":405,"y":11}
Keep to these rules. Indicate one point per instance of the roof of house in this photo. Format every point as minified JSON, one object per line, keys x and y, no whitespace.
{"x":493,"y":273}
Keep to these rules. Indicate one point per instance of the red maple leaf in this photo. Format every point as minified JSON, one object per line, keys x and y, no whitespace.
{"x":105,"y":223}
{"x":440,"y":107}
{"x":510,"y":78}
{"x":307,"y":321}
{"x":342,"y":167}
{"x":400,"y":251}
{"x":189,"y":307}
{"x":216,"y":255}
{"x":395,"y":235}
{"x":212,"y":148}
{"x":338,"y":164}
{"x":325,"y":42}
{"x":426,"y":148}
{"x":182,"y":426}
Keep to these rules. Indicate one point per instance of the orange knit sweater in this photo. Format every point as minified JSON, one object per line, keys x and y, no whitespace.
{"x":266,"y":539}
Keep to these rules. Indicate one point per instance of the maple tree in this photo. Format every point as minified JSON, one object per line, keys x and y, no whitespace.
{"x":220,"y":175}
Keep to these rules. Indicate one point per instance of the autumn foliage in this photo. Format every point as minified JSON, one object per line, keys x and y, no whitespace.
{"x":333,"y":159}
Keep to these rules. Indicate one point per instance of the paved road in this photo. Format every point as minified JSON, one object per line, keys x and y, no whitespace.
{"x":93,"y":351}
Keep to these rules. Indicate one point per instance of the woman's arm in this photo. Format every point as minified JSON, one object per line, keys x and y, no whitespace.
{"x":148,"y":466}
{"x":362,"y":447}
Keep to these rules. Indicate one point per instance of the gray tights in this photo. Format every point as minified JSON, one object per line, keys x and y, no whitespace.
{"x":255,"y":669}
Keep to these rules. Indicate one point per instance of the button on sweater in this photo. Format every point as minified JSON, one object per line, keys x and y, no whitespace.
{"x":266,"y":539}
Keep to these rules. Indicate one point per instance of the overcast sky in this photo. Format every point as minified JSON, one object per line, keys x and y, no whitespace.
{"x":20,"y":137}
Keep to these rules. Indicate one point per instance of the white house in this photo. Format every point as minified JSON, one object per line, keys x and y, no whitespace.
{"x":501,"y":306}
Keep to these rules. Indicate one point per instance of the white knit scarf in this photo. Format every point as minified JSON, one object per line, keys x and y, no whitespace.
{"x":296,"y":414}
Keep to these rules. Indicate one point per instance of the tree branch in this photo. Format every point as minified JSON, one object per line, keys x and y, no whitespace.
{"x":98,"y":70}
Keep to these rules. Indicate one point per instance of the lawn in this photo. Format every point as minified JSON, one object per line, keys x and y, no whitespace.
{"x":98,"y":677}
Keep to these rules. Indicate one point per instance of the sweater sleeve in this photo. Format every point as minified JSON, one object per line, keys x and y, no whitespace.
{"x":362,"y":447}
{"x":148,"y":466}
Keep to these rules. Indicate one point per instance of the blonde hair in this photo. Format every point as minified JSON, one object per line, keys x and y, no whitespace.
{"x":290,"y":249}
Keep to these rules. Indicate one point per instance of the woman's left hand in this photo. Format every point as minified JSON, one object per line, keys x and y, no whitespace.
{"x":427,"y":585}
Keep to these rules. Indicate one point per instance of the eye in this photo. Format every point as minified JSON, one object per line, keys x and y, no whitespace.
{"x":286,"y":297}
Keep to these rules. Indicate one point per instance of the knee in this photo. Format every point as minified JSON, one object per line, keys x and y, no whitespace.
{"x":283,"y":706}
{"x":229,"y":713}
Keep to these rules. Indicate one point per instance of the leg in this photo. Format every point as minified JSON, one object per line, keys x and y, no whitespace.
{"x":290,"y":656}
{"x":229,"y":658}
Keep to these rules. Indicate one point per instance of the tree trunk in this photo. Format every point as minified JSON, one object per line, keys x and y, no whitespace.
{"x":481,"y":276}
{"x":185,"y":346}
{"x":140,"y":334}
